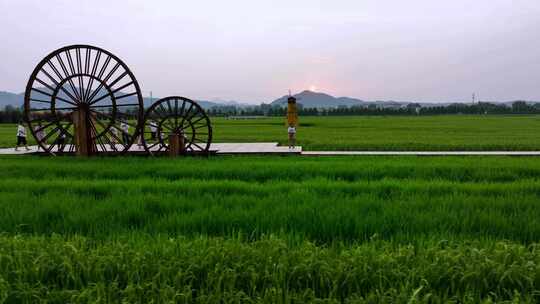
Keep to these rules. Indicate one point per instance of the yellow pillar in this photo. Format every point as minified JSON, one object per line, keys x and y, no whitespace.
{"x":292,"y":112}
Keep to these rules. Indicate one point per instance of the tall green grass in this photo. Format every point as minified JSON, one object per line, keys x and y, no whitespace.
{"x":269,"y":230}
{"x":79,"y":270}
{"x":323,"y":200}
{"x":450,"y":132}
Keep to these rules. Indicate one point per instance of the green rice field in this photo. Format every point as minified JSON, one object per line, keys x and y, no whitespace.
{"x":446,"y":133}
{"x":270,"y":230}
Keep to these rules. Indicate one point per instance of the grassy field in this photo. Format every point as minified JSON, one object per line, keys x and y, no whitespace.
{"x":453,"y":132}
{"x":270,"y":230}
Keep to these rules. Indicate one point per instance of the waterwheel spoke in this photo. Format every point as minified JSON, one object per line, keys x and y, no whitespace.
{"x":161,"y":111}
{"x":97,"y":136}
{"x":57,"y":97}
{"x":105,"y":80}
{"x":99,"y":76}
{"x":80,"y":72}
{"x":46,"y":137}
{"x":126,"y":95}
{"x":155,"y":144}
{"x":193,"y":143}
{"x":65,"y":109}
{"x":111,"y":93}
{"x":164,"y":145}
{"x":43,"y":83}
{"x":73,"y":72}
{"x":168,"y":122}
{"x":183,"y":108}
{"x":45,"y":126}
{"x":185,"y":115}
{"x":61,"y":130}
{"x":65,"y":130}
{"x":67,"y":74}
{"x":87,"y":57}
{"x":92,"y":74}
{"x":112,"y":106}
{"x":112,"y":118}
{"x":94,"y":133}
{"x":168,"y":127}
{"x":117,"y":139}
{"x":176,"y":112}
{"x":57,"y":84}
{"x":112,"y":84}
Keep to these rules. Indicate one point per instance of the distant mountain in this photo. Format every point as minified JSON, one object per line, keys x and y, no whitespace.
{"x":309,"y":99}
{"x":17,"y":100}
{"x":11,"y":99}
{"x":219,"y":103}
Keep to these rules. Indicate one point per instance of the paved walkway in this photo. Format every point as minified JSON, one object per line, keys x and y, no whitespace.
{"x":422,"y":153}
{"x":274,"y":149}
{"x":11,"y":151}
{"x":219,"y":148}
{"x":253,"y":148}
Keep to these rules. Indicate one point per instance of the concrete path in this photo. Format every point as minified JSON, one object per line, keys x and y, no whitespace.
{"x":218,"y":148}
{"x":253,"y":148}
{"x":274,"y":149}
{"x":422,"y":153}
{"x":11,"y":151}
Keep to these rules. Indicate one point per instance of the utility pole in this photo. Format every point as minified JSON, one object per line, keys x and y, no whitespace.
{"x":473,"y":97}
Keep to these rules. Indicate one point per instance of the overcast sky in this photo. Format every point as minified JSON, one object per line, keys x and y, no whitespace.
{"x":255,"y":50}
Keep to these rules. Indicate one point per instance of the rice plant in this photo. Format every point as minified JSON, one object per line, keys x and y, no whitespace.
{"x":269,"y":230}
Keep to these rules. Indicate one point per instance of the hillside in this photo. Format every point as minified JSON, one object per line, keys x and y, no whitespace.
{"x":311,"y":99}
{"x":7,"y":98}
{"x":17,"y":100}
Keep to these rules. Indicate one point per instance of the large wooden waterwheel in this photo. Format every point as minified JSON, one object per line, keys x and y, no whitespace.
{"x":176,"y":123}
{"x":85,"y":100}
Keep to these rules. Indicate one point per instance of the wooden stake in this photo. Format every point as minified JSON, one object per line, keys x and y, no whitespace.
{"x":176,"y":145}
{"x":83,"y":135}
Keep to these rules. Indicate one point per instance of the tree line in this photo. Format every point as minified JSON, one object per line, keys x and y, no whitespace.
{"x":485,"y":108}
{"x":12,"y":114}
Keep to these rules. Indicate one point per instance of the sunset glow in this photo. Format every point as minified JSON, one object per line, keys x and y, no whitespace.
{"x":254,"y":51}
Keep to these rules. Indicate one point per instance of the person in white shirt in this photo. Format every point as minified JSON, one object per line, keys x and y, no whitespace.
{"x":61,"y":141}
{"x":115,"y":136}
{"x":125,"y":132}
{"x":292,"y":136}
{"x":21,"y":137}
{"x":40,"y":133}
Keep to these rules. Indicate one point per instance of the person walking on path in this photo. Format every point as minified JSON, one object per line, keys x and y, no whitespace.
{"x":115,"y":136}
{"x":61,"y":140}
{"x":40,"y":133}
{"x":292,"y":136}
{"x":21,"y":137}
{"x":125,"y":132}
